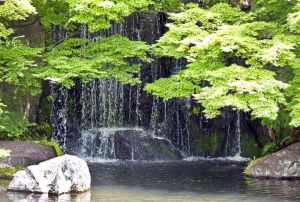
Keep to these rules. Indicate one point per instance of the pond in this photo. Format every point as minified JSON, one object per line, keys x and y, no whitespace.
{"x":202,"y":180}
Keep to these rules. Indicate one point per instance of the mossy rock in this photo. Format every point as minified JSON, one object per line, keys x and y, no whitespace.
{"x":251,"y":163}
{"x":164,"y":149}
{"x":209,"y":144}
{"x":23,"y":153}
{"x":8,"y":172}
{"x":283,"y":164}
{"x":55,"y":145}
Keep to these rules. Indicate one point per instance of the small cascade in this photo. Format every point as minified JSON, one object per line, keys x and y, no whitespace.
{"x":153,"y":117}
{"x":97,"y":144}
{"x":59,"y":113}
{"x":237,"y":155}
{"x":137,"y":111}
{"x":238,"y":134}
{"x":233,"y":139}
{"x":102,"y":103}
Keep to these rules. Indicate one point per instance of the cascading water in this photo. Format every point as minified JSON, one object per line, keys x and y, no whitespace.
{"x":238,"y":134}
{"x":124,"y":143}
{"x":106,"y":119}
{"x":97,"y":143}
{"x":59,"y":113}
{"x":102,"y":103}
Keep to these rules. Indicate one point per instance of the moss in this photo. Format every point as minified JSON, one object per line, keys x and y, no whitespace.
{"x":4,"y":153}
{"x":247,"y":170}
{"x":250,"y":147}
{"x":165,"y":151}
{"x":208,"y":144}
{"x":8,"y":172}
{"x":50,"y":143}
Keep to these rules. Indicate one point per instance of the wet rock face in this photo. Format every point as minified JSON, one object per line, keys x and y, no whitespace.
{"x":144,"y":147}
{"x":24,"y":154}
{"x":284,"y":164}
{"x":56,"y":176}
{"x":125,"y":144}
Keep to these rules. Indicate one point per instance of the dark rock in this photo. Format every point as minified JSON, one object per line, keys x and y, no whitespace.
{"x":125,"y":144}
{"x":144,"y":147}
{"x":284,"y":164}
{"x":24,"y":154}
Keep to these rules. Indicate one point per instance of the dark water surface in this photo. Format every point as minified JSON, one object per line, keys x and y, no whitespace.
{"x":171,"y":181}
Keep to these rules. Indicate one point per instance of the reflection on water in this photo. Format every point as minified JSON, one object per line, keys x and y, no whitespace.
{"x":279,"y":188}
{"x":20,"y":197}
{"x":171,"y":181}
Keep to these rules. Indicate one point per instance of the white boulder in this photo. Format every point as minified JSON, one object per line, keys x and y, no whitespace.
{"x":59,"y":175}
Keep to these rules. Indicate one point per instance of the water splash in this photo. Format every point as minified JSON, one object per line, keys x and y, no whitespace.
{"x":228,"y":158}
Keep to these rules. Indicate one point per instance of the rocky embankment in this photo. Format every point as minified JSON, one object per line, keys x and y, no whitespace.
{"x":22,"y":154}
{"x":15,"y":155}
{"x":284,"y":164}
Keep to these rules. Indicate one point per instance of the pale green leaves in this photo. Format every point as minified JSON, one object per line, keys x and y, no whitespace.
{"x":16,"y":9}
{"x":229,"y":52}
{"x":52,"y":12}
{"x":16,"y":59}
{"x":294,"y":19}
{"x":97,"y":14}
{"x":294,"y":22}
{"x":279,"y":54}
{"x":250,"y":90}
{"x":17,"y":64}
{"x":293,"y":95}
{"x":172,"y":87}
{"x":295,"y":111}
{"x":11,"y":10}
{"x":5,"y":32}
{"x":114,"y":56}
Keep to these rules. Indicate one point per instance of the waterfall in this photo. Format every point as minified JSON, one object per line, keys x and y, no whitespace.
{"x":97,"y":143}
{"x":102,"y":103}
{"x":233,"y":137}
{"x":238,"y":134}
{"x":59,"y":114}
{"x":109,"y":120}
